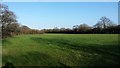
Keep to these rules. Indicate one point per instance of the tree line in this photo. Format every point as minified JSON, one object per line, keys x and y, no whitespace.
{"x":104,"y":26}
{"x":9,"y":26}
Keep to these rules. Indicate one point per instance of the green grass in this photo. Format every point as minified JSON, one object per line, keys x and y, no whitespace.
{"x":62,"y":50}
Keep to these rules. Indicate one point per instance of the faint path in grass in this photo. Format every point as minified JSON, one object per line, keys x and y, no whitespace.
{"x":33,"y":58}
{"x":98,"y":51}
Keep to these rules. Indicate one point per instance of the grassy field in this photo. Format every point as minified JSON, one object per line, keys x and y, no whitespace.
{"x":82,"y":50}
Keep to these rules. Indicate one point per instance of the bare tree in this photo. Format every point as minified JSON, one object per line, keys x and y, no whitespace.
{"x":84,"y":27}
{"x":98,"y":25}
{"x":75,"y":28}
{"x":7,"y":18}
{"x":104,"y":23}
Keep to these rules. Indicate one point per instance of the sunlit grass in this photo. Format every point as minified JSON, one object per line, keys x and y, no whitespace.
{"x":62,"y":50}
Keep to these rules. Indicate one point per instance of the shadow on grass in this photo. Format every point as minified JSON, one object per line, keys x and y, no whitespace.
{"x":5,"y":41}
{"x":91,"y":48}
{"x":100,"y":55}
{"x":33,"y":59}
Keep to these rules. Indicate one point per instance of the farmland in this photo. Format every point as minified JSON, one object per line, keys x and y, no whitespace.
{"x":82,"y":50}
